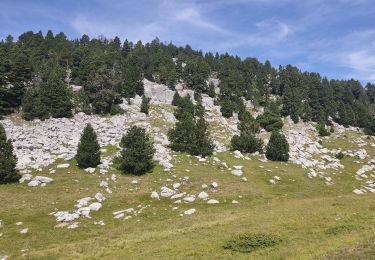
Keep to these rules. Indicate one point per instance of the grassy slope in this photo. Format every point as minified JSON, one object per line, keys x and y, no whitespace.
{"x":301,"y":210}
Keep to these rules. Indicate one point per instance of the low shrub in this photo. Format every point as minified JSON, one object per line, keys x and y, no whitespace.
{"x":247,"y":243}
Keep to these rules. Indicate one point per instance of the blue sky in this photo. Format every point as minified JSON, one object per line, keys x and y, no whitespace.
{"x":334,"y":38}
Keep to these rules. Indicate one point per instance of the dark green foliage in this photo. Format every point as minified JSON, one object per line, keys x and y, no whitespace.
{"x":185,"y":105}
{"x":277,"y":148}
{"x":116,"y":110}
{"x":202,"y":144}
{"x":8,"y":160}
{"x":88,"y":152}
{"x":199,"y":108}
{"x":176,"y":98}
{"x":81,"y":102}
{"x":32,"y":105}
{"x":55,"y":94}
{"x":190,"y":134}
{"x":247,"y":124}
{"x":211,"y":90}
{"x":246,"y":143}
{"x":103,"y":101}
{"x":322,"y":130}
{"x":145,"y":106}
{"x":227,"y":108}
{"x":183,"y":134}
{"x":137,"y":152}
{"x":271,"y":119}
{"x":247,"y":243}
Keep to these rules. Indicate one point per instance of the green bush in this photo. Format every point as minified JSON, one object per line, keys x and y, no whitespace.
{"x":277,"y":148}
{"x":137,"y":152}
{"x":247,"y":243}
{"x":246,"y":143}
{"x":88,"y":152}
{"x":322,"y":130}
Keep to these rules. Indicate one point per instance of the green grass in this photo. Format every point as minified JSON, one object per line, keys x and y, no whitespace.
{"x":315,"y":221}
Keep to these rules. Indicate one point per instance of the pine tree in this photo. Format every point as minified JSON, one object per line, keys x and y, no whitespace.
{"x":137,"y":152}
{"x":32,"y":105}
{"x":211,"y":90}
{"x":246,"y":142}
{"x":88,"y":152}
{"x":176,"y":99}
{"x":182,"y":135}
{"x":202,"y":144}
{"x":145,"y":104}
{"x":277,"y":148}
{"x":56,"y":95}
{"x":8,"y":160}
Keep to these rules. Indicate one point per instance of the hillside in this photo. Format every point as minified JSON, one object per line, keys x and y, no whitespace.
{"x":318,"y":204}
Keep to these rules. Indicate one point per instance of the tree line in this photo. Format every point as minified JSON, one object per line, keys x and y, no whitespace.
{"x":36,"y":70}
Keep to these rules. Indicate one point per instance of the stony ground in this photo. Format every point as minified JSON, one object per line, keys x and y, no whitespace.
{"x":188,"y":207}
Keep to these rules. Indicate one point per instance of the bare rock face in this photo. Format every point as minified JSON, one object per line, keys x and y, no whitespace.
{"x":159,"y":94}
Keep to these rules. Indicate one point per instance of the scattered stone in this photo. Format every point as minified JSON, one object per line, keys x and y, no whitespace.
{"x":90,"y":170}
{"x":189,"y":199}
{"x":214,"y":185}
{"x":26,"y":177}
{"x":236,"y":172}
{"x":179,"y":195}
{"x":212,"y":201}
{"x":203,"y":195}
{"x":358,"y":192}
{"x":95,"y":206}
{"x":154,"y":195}
{"x":24,"y":231}
{"x":73,"y":225}
{"x":166,"y":192}
{"x":99,"y":197}
{"x":234,"y":202}
{"x":63,"y":166}
{"x":176,"y":185}
{"x":190,"y":211}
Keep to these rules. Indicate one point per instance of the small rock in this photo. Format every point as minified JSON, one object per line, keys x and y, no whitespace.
{"x":90,"y":170}
{"x":214,"y":185}
{"x":190,"y":211}
{"x":95,"y":206}
{"x":63,"y":166}
{"x":212,"y":201}
{"x":154,"y":195}
{"x":24,"y":231}
{"x":203,"y":195}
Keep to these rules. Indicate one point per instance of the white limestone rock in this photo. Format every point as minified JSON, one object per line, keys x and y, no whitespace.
{"x":190,"y":211}
{"x":167,"y":192}
{"x":203,"y":195}
{"x":154,"y":195}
